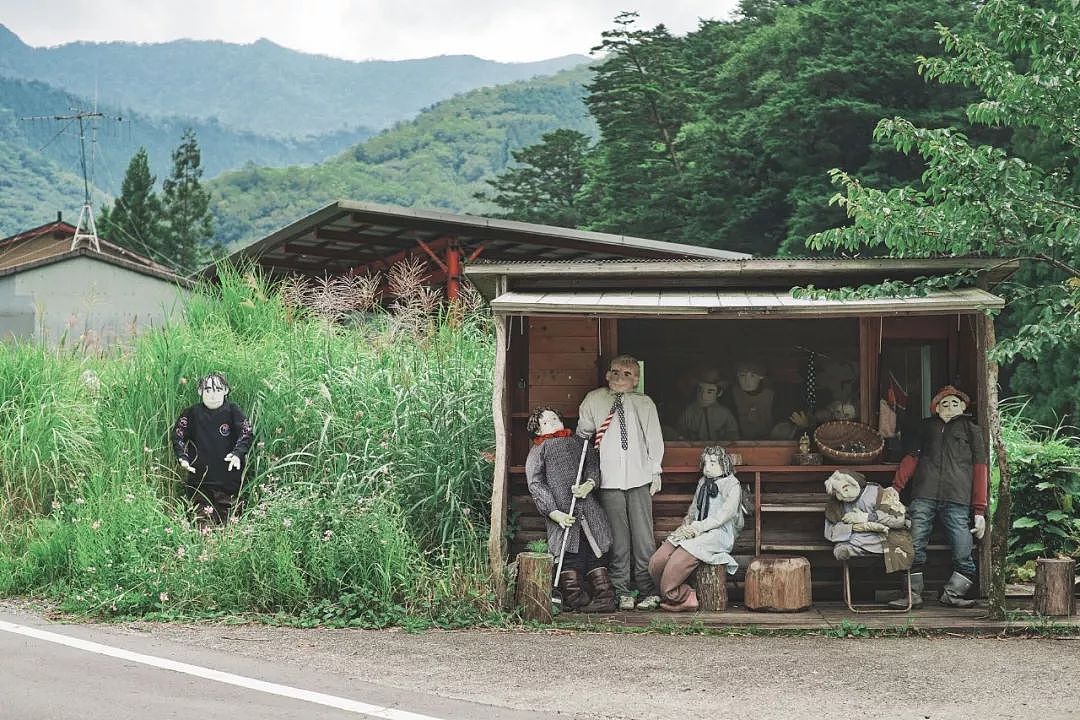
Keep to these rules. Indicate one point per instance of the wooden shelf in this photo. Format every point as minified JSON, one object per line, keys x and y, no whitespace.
{"x":772,"y":507}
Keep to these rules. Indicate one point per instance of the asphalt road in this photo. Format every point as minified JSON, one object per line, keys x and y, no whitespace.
{"x":496,"y":674}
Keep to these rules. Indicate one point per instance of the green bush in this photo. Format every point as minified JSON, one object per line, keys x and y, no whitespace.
{"x":367,"y":491}
{"x":1045,"y":492}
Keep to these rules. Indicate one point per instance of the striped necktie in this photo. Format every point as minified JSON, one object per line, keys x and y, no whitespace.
{"x":616,"y":407}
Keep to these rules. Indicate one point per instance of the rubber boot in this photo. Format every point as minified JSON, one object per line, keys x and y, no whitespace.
{"x":603,"y":592}
{"x":954,"y":591}
{"x":916,"y":594}
{"x":574,"y":595}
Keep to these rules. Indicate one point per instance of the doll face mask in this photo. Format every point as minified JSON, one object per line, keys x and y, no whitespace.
{"x":213,"y":390}
{"x":707,"y":393}
{"x":749,"y":379}
{"x":949,"y":407}
{"x":622,"y":378}
{"x":549,"y":422}
{"x":842,"y":486}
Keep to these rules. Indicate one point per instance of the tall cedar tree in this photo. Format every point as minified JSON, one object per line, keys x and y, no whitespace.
{"x":189,"y":223}
{"x":135,"y":219}
{"x":545,"y":186}
{"x":980,"y":199}
{"x":639,"y":99}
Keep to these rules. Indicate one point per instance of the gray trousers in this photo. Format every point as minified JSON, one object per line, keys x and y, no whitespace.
{"x":630,"y":514}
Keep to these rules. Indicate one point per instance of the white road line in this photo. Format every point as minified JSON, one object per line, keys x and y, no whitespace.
{"x":375,"y":711}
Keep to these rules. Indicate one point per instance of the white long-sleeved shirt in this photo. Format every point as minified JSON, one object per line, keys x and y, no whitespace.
{"x":641,"y":461}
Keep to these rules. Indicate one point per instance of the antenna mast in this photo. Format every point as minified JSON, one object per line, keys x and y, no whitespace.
{"x":85,"y":229}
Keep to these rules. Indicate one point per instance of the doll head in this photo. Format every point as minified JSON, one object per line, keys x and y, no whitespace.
{"x":212,"y":389}
{"x":543,"y":421}
{"x":749,"y":376}
{"x":715,"y":462}
{"x":948,"y":403}
{"x":845,"y":485}
{"x":622,"y":375}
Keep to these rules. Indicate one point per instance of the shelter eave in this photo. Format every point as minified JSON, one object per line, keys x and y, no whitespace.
{"x":732,"y":304}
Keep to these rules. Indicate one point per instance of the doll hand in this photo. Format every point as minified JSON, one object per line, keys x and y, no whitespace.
{"x":681,"y":533}
{"x":234,"y":461}
{"x":980,"y":527}
{"x":583,"y":489}
{"x":800,"y":419}
{"x":186,"y":465}
{"x":853,"y":517}
{"x":655,"y":486}
{"x":564,"y":519}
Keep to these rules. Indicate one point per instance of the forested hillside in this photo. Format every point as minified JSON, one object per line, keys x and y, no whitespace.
{"x":119,"y":134}
{"x":724,"y":137}
{"x":438,"y":160}
{"x":261,"y":87}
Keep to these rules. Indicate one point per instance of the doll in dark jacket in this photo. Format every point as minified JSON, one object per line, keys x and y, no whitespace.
{"x":552,"y":472}
{"x":948,"y":473}
{"x":211,"y":439}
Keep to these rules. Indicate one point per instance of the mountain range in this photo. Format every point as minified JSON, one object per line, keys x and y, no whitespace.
{"x":388,"y":131}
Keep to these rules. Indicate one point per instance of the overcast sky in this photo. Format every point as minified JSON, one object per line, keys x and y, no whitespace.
{"x":506,"y":30}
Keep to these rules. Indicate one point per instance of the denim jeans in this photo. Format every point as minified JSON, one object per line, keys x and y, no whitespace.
{"x":955,"y":519}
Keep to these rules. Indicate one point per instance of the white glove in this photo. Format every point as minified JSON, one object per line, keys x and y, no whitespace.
{"x":564,"y":519}
{"x":980,"y":527}
{"x":655,"y":487}
{"x":681,"y":533}
{"x":583,"y":489}
{"x":186,"y":465}
{"x":234,"y":461}
{"x":853,"y":517}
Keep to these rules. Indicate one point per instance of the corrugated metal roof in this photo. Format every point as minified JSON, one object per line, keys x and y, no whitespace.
{"x":720,"y":303}
{"x":350,"y":236}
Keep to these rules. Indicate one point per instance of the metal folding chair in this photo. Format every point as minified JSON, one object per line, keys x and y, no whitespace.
{"x":871,"y":608}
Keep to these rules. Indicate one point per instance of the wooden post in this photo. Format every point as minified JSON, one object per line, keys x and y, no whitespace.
{"x":1054,"y":578}
{"x":533,"y":593}
{"x":710,"y":583}
{"x":1000,"y":523}
{"x":496,"y":541}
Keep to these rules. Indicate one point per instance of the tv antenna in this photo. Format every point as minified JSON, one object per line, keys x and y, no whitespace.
{"x":85,"y":229}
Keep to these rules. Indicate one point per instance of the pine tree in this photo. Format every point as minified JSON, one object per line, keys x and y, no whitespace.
{"x":134,"y":221}
{"x":189,"y":224}
{"x":545,"y":186}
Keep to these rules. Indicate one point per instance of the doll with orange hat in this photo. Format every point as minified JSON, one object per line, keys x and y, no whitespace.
{"x":948,"y":472}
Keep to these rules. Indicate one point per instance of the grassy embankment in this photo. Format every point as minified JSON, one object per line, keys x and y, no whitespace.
{"x":367,"y":490}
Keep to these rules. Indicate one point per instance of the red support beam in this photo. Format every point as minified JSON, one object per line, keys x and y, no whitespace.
{"x":389,"y":260}
{"x":453,"y":270}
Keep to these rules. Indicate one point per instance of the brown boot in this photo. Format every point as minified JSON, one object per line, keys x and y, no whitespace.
{"x":603,"y":592}
{"x":574,"y":595}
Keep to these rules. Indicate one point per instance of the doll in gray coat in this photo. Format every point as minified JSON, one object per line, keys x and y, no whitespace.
{"x":707,"y":535}
{"x":552,"y":471}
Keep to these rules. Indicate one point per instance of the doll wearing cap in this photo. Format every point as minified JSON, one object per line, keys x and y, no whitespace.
{"x":948,"y":473}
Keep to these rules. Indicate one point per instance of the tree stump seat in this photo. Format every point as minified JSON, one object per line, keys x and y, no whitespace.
{"x":1054,"y":580}
{"x":778,"y":583}
{"x":710,"y":584}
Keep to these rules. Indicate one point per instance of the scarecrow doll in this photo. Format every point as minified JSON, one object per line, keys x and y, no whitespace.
{"x":551,"y":469}
{"x":631,"y":446}
{"x":947,"y":470}
{"x":707,"y":533}
{"x":211,"y":439}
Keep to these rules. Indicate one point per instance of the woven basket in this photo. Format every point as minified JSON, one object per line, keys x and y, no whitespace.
{"x":848,"y":442}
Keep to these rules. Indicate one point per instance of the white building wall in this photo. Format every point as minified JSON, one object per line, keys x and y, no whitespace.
{"x":84,"y":301}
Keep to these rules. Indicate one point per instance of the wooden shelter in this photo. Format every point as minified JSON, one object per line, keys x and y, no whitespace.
{"x":559,"y":323}
{"x":358,"y":238}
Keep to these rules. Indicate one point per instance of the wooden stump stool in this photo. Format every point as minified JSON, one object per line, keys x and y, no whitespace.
{"x":533,"y":594}
{"x":1054,"y":579}
{"x":710,"y":584}
{"x":777,"y":583}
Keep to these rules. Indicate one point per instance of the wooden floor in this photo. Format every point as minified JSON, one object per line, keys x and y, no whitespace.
{"x":932,"y":617}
